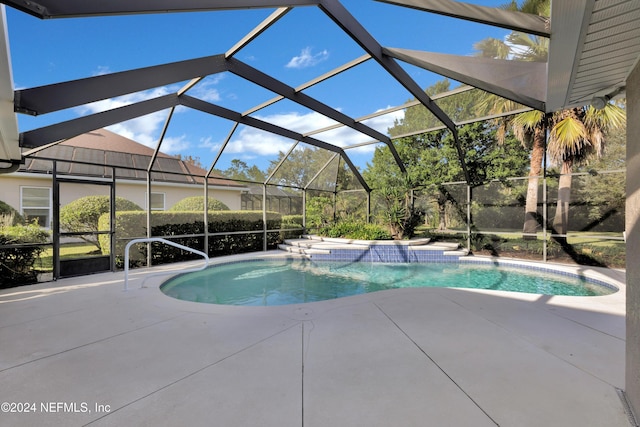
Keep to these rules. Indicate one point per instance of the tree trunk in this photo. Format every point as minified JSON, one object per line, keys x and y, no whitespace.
{"x":531,"y":222}
{"x":442,"y":215}
{"x":561,"y":218}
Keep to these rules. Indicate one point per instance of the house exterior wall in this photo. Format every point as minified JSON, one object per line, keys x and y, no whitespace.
{"x":632,"y":383}
{"x":173,"y":193}
{"x":11,"y":186}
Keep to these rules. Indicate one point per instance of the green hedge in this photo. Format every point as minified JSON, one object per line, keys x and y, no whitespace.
{"x":291,"y":222}
{"x":16,"y":262}
{"x":295,"y":220}
{"x":196,"y":203}
{"x":356,"y":230}
{"x":10,"y":214}
{"x":83,"y":214}
{"x":130,"y":225}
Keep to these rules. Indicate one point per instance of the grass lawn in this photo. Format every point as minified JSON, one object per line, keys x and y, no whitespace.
{"x":586,"y":248}
{"x":68,"y":250}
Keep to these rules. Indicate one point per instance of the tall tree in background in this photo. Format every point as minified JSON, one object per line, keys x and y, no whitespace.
{"x":604,"y":193}
{"x":306,"y":163}
{"x":574,"y":134}
{"x":431,"y":158}
{"x":529,"y":127}
{"x":239,"y":170}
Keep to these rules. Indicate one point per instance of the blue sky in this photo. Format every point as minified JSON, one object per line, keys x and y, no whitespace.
{"x":304,"y":44}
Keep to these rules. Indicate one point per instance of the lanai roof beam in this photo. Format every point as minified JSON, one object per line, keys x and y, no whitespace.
{"x":272,"y":19}
{"x":59,"y":96}
{"x":216,"y":110}
{"x":249,"y":73}
{"x":511,"y":20}
{"x":336,"y":11}
{"x":75,"y":8}
{"x":315,"y":81}
{"x":70,"y":128}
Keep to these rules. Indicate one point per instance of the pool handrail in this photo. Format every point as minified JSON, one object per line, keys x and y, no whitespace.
{"x":168,"y":242}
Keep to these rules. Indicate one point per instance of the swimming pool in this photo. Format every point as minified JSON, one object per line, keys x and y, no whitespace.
{"x":294,"y":281}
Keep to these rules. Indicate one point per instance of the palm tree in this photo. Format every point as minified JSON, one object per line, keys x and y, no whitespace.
{"x":529,"y":127}
{"x":574,"y":134}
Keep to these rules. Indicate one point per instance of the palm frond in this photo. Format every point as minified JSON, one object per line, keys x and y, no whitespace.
{"x":609,"y":117}
{"x":567,"y":139}
{"x":492,"y":48}
{"x":535,"y":7}
{"x":491,"y":104}
{"x":525,"y":47}
{"x":528,"y":120}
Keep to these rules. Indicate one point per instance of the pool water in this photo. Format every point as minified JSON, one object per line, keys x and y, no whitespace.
{"x":293,"y":281}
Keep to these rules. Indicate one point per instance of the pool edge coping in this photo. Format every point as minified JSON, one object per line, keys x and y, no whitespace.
{"x":597,"y":275}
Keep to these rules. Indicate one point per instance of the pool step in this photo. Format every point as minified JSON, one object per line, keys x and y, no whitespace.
{"x":364,"y":243}
{"x":302,"y":250}
{"x":309,"y":245}
{"x":458,"y":252}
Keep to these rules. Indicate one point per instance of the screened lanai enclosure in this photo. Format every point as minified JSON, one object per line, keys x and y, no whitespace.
{"x":298,"y":115}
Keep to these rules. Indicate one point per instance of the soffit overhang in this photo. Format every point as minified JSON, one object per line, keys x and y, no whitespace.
{"x":521,"y":82}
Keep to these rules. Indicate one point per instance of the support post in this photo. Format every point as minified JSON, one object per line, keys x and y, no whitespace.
{"x":334,"y":206}
{"x":112,"y":222}
{"x":264,"y":217}
{"x":468,"y":216}
{"x":149,"y":218}
{"x":56,"y":222}
{"x":206,"y":215}
{"x":545,"y":215}
{"x":304,"y":210}
{"x":545,"y":205}
{"x":632,"y":232}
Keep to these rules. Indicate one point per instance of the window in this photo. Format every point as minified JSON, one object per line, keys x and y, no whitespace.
{"x":157,"y":201}
{"x":36,"y":204}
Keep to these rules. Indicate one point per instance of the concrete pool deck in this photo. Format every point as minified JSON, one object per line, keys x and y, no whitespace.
{"x":84,"y":352}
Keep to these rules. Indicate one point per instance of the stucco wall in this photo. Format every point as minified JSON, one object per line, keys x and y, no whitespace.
{"x":136,"y":192}
{"x":632,"y":387}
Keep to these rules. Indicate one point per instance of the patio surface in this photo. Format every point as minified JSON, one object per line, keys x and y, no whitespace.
{"x":83,"y":351}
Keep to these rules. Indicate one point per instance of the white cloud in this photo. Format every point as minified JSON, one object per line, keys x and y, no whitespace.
{"x":120,"y":101}
{"x":386,"y":121}
{"x":102,"y":70}
{"x":307,"y":58}
{"x":257,"y":142}
{"x":298,"y":122}
{"x":209,"y":143}
{"x":206,"y":91}
{"x":175,"y":145}
{"x":250,"y":142}
{"x":345,"y":136}
{"x":144,"y":129}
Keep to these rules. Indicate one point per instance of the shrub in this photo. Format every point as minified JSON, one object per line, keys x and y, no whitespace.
{"x":83,"y":214}
{"x":131,"y":225}
{"x":319,"y":211}
{"x":295,"y":220}
{"x":16,"y":262}
{"x":196,"y":203}
{"x":291,"y":222}
{"x":356,"y":230}
{"x":10,"y":215}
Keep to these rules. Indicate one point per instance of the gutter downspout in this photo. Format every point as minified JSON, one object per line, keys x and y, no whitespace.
{"x":15,"y":165}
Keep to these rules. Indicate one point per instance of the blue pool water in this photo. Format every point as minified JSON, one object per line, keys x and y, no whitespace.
{"x":293,"y":281}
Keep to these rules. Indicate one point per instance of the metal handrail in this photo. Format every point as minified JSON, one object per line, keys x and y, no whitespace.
{"x":168,"y":242}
